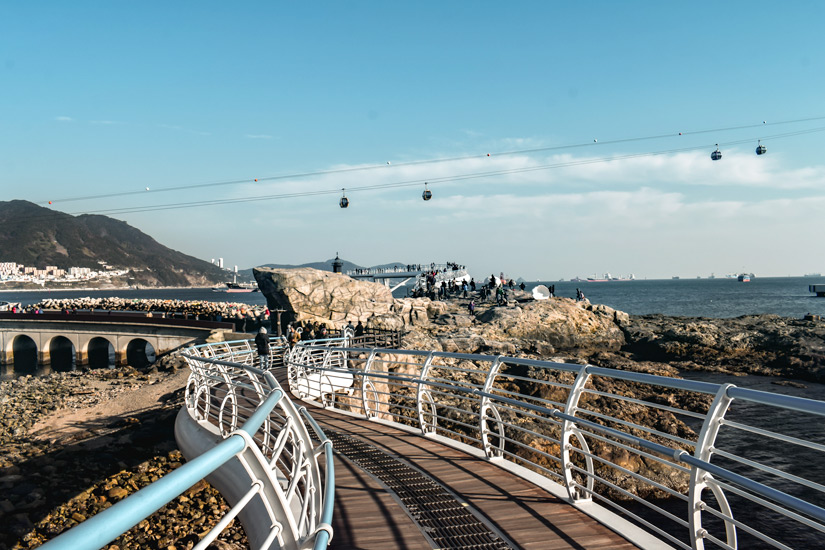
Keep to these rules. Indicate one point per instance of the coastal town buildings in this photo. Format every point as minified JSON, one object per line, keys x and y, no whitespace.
{"x":11,"y":272}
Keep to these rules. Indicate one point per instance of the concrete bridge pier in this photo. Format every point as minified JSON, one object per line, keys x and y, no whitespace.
{"x":60,"y":342}
{"x":44,"y":365}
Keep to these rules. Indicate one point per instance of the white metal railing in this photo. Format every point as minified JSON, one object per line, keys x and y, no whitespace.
{"x":694,"y":463}
{"x":239,"y":431}
{"x":295,"y":505}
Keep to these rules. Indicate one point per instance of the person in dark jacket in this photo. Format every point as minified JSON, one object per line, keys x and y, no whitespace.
{"x":359,"y":329}
{"x":262,"y":343}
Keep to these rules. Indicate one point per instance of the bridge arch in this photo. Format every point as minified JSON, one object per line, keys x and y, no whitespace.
{"x":100,"y":353}
{"x":140,"y":353}
{"x":62,"y":354}
{"x":24,"y":351}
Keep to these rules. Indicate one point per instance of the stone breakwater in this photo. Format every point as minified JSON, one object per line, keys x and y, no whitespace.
{"x":191,"y":308}
{"x":51,"y":483}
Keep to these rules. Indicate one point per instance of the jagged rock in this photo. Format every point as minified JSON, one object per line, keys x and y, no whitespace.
{"x":311,"y":295}
{"x":752,"y":344}
{"x":561,"y":324}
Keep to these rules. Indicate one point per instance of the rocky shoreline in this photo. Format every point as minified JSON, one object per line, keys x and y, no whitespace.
{"x":50,"y":483}
{"x":557,"y":328}
{"x":50,"y":480}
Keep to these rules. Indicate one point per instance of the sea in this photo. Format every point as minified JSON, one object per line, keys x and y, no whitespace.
{"x":717,"y":298}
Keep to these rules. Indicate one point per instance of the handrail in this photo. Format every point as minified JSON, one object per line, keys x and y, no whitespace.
{"x":502,"y":406}
{"x":266,"y":465}
{"x":109,"y":524}
{"x":316,"y":498}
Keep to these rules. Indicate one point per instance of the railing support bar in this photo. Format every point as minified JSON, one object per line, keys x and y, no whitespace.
{"x":103,"y":528}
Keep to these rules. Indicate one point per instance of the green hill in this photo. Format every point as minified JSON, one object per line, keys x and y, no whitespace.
{"x":35,"y":236}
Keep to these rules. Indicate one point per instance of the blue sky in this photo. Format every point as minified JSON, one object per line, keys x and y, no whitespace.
{"x":109,"y":98}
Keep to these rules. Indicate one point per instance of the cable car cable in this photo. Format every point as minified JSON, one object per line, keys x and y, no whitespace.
{"x":417,"y":181}
{"x":417,"y":162}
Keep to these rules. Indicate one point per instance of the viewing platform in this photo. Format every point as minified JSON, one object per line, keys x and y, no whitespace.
{"x":389,"y":276}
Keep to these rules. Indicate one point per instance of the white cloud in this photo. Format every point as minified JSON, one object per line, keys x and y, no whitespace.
{"x":103,"y":122}
{"x":64,"y":119}
{"x":258,"y":136}
{"x":654,"y":216}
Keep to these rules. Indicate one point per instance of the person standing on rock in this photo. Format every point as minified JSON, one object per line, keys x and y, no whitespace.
{"x":262,"y":343}
{"x":472,"y":307}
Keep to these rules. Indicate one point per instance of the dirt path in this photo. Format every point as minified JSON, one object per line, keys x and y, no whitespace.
{"x":122,"y":402}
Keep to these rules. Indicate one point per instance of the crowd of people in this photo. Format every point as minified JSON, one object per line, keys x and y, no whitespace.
{"x":313,"y":330}
{"x":409,"y":268}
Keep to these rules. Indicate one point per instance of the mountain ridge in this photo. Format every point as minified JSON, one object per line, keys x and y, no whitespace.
{"x":32,"y":235}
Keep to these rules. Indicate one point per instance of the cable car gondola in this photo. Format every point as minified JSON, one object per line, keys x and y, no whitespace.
{"x":344,"y":202}
{"x":427,"y":194}
{"x":716,"y":155}
{"x":761,"y":149}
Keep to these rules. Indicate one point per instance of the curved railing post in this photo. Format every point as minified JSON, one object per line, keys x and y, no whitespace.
{"x":367,"y":385}
{"x":569,"y":430}
{"x":699,"y":478}
{"x":485,"y":407}
{"x":423,"y":393}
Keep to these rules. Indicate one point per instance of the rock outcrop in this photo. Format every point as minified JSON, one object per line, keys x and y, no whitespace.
{"x":561,"y":327}
{"x":311,"y":295}
{"x":752,"y":344}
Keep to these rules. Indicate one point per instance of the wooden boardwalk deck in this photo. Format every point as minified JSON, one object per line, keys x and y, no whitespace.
{"x":369,"y":517}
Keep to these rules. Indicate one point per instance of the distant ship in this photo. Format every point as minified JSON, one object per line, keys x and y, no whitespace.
{"x":813,"y":275}
{"x":744,"y":278}
{"x":232,"y":286}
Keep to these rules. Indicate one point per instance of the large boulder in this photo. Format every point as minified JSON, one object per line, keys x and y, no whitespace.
{"x":321,"y":296}
{"x":312,"y":295}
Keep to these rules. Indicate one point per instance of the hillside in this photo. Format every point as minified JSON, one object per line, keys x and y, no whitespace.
{"x":35,"y":236}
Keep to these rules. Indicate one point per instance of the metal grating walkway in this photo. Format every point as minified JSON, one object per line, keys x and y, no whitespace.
{"x":444,"y":519}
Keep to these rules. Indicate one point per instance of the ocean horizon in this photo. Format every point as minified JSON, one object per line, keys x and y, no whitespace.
{"x":715,"y":298}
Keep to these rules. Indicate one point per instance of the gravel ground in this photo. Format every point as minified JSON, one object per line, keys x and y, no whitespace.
{"x":73,"y":444}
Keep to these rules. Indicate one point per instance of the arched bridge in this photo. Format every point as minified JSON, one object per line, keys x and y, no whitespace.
{"x":95,"y":339}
